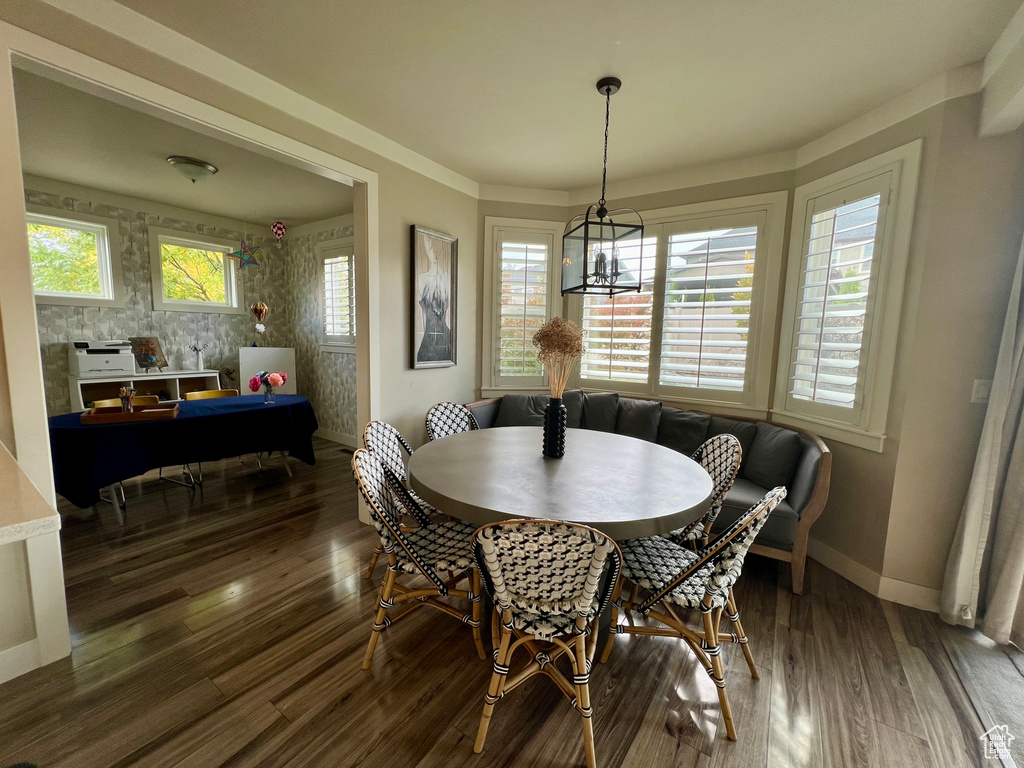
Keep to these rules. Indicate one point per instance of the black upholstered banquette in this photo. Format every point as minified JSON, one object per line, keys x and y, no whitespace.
{"x":772,"y":455}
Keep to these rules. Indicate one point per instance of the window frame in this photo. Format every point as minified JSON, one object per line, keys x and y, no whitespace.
{"x":108,"y":240}
{"x":345,"y":344}
{"x":232,"y":277}
{"x":770,"y":212}
{"x":864,"y":425}
{"x":494,"y":384}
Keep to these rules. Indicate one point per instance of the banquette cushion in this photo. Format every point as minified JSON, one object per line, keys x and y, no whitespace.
{"x":638,"y":418}
{"x":528,"y":410}
{"x":772,"y":455}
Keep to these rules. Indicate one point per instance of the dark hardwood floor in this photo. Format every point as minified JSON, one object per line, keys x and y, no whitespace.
{"x":228,"y":627}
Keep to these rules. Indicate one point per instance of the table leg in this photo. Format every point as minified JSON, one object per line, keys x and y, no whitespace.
{"x":117,"y":503}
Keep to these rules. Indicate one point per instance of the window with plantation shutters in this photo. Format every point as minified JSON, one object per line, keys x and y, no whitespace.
{"x":338,"y":293}
{"x":522,"y":306}
{"x":696,"y":331}
{"x":618,"y":328}
{"x":847,"y":264}
{"x":522,"y":294}
{"x":834,"y":301}
{"x":709,"y":282}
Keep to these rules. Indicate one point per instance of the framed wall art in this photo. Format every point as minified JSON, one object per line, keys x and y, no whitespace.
{"x":435,"y":260}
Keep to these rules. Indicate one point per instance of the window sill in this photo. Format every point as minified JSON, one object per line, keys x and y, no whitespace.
{"x":338,"y":348}
{"x":79,"y":301}
{"x":487,"y":392}
{"x":860,"y":438}
{"x":209,"y":309}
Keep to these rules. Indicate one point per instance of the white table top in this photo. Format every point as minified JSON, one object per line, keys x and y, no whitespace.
{"x":622,"y":486}
{"x":24,"y":512}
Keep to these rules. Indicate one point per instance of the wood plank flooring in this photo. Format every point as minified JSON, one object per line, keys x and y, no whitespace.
{"x":227,"y":628}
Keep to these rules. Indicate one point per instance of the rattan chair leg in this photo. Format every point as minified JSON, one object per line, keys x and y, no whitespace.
{"x":494,"y":690}
{"x":613,"y":624}
{"x":714,"y":652}
{"x":495,"y":629}
{"x":734,"y":619}
{"x":380,"y":621}
{"x":373,"y":561}
{"x":476,"y":600}
{"x":583,"y":701}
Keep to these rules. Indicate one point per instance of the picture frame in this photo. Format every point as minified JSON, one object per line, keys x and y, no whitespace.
{"x":148,"y":353}
{"x":434,"y":297}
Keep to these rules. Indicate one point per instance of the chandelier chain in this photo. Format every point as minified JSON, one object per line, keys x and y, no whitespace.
{"x":607,"y":116}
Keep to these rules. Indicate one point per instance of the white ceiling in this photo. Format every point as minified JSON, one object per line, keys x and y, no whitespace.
{"x":76,"y":137}
{"x":503,"y":92}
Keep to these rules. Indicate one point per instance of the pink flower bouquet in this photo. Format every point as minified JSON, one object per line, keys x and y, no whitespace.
{"x":269,"y":380}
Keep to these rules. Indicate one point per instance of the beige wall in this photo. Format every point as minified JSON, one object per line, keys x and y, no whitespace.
{"x":973,"y":238}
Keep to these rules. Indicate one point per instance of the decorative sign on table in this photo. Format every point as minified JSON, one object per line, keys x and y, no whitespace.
{"x":435,"y":267}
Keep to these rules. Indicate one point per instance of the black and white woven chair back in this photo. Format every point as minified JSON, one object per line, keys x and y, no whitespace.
{"x":720,"y":456}
{"x":446,"y":419}
{"x":728,"y":560}
{"x":388,"y":445}
{"x":370,"y":477}
{"x":547,"y":567}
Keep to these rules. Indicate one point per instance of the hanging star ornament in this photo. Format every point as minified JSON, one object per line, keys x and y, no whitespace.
{"x":245,"y":256}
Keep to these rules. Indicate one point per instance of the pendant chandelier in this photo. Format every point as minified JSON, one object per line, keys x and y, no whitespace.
{"x":601,"y":255}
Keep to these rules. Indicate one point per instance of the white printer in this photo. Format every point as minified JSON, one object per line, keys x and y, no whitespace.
{"x":98,"y":359}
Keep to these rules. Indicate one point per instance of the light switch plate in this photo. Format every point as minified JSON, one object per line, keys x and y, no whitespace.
{"x":981,"y":391}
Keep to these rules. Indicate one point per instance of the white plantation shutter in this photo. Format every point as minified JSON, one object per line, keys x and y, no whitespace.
{"x":709,"y":278}
{"x":836,"y":296}
{"x":339,"y":294}
{"x":524,"y":284}
{"x":618,"y":328}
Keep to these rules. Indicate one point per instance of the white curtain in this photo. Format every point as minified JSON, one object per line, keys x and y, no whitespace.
{"x":985,"y":571}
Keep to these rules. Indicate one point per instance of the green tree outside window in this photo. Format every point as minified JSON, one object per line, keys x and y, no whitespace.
{"x":192,"y":274}
{"x":64,"y":260}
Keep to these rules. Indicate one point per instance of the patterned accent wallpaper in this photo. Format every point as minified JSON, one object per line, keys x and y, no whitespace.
{"x":288,"y":276}
{"x":328,"y":378}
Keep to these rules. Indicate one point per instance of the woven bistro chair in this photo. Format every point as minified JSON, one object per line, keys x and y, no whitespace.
{"x":720,"y":457}
{"x":446,"y":419}
{"x":424,"y":551}
{"x":388,"y":445}
{"x":674,"y":577}
{"x":545,"y":579}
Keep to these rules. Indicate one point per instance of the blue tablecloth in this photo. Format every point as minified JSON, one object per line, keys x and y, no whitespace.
{"x":89,"y":457}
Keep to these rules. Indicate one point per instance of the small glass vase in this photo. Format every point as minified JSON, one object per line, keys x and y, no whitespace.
{"x":268,"y":395}
{"x":554,"y":429}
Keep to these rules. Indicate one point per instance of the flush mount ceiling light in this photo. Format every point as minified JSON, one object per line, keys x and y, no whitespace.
{"x":192,"y":169}
{"x":602,"y":255}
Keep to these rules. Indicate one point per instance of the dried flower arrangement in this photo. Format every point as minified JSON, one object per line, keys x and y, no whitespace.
{"x":560,"y":342}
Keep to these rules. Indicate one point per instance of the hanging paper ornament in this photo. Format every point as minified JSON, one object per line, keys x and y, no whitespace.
{"x":278,"y":228}
{"x":245,"y":256}
{"x":259,"y":309}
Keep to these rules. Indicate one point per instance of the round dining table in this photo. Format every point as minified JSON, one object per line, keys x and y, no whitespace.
{"x":622,"y":486}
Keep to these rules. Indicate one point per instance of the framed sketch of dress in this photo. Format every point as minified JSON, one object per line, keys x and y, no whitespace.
{"x":435,"y":259}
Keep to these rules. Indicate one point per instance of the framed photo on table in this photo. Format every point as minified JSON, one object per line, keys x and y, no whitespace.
{"x":435,"y":261}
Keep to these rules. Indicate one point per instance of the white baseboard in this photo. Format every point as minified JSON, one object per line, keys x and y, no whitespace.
{"x":337,"y":437}
{"x":19,"y":660}
{"x":902,"y":592}
{"x":905,"y":593}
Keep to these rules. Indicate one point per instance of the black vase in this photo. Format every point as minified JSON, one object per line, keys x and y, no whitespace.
{"x":554,"y":429}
